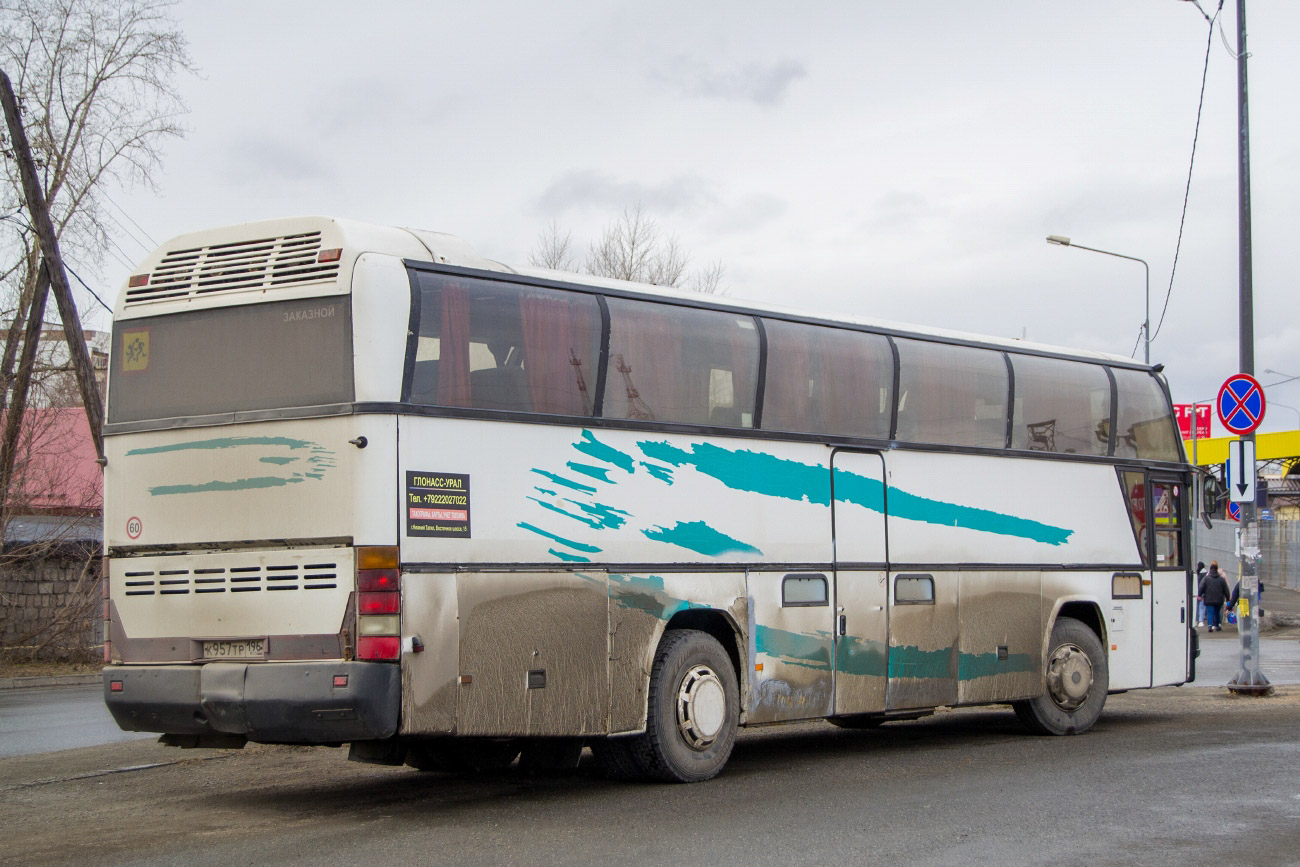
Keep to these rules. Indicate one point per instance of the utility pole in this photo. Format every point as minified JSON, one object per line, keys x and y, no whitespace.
{"x":1249,"y":680}
{"x":58,"y":278}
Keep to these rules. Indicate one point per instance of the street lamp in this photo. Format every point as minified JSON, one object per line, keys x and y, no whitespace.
{"x":1288,"y":376}
{"x":1273,"y":403}
{"x":1063,"y":241}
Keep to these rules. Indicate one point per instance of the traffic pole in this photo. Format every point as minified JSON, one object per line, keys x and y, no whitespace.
{"x":1249,"y":679}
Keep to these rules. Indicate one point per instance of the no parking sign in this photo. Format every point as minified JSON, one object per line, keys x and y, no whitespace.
{"x":1240,"y":404}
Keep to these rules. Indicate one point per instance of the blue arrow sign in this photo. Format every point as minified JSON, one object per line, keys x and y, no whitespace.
{"x":1241,"y":404}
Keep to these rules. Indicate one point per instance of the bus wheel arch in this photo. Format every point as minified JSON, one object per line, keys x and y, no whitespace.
{"x":717,"y":624}
{"x":693,"y":706}
{"x":1076,"y":681}
{"x":1086,"y":612}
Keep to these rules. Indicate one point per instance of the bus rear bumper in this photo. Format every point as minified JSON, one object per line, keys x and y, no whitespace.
{"x":291,"y":702}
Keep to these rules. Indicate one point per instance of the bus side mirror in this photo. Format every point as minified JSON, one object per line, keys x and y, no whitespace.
{"x":1212,"y":493}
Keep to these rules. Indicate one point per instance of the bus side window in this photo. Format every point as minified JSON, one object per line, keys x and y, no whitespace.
{"x":678,"y":364}
{"x":1060,"y":406}
{"x":953,"y":395}
{"x":827,"y":380}
{"x":1146,"y":427}
{"x":487,"y":344}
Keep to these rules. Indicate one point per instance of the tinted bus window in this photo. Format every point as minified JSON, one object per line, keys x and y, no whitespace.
{"x":1061,"y":406}
{"x":827,"y":381}
{"x":677,"y":364}
{"x":277,"y":355}
{"x":1145,"y":422}
{"x":953,"y":395}
{"x":490,"y":345}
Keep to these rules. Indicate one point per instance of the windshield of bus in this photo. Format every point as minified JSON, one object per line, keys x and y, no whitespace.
{"x":232,"y":359}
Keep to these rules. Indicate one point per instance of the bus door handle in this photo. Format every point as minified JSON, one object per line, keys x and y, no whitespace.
{"x":843,"y":624}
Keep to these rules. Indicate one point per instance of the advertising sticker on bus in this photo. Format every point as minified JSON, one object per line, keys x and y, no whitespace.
{"x":437,"y":504}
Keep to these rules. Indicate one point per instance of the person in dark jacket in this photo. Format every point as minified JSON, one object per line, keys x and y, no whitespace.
{"x":1236,"y":594}
{"x":1213,"y":591}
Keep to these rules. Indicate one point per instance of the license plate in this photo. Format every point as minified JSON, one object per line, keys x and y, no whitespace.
{"x":248,"y":648}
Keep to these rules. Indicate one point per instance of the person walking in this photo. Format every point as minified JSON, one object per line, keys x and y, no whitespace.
{"x":1200,"y":605}
{"x":1213,"y":591}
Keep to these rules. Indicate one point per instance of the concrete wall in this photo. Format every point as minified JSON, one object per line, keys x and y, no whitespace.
{"x":51,"y":604}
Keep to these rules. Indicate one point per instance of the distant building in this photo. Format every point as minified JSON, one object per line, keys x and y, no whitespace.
{"x":54,"y":382}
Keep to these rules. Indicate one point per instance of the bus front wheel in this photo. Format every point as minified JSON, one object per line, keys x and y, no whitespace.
{"x":694,"y":705}
{"x":1077,"y":682}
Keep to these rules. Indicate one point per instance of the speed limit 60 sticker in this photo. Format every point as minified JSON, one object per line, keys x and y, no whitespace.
{"x":134,"y":527}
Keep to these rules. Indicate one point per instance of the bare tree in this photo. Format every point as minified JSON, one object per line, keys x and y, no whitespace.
{"x":554,"y":249}
{"x":95,"y":83}
{"x":631,"y":247}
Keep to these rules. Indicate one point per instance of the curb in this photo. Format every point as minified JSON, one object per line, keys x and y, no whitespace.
{"x":50,"y":680}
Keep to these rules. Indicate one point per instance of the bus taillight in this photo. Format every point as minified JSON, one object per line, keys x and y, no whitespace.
{"x":379,"y":604}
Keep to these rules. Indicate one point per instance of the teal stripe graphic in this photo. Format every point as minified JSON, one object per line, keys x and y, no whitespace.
{"x":594,"y":448}
{"x":700,"y":537}
{"x":771,"y":476}
{"x":566,"y":483}
{"x":223,"y":443}
{"x":577,"y":546}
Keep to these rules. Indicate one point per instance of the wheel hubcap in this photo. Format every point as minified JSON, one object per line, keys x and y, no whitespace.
{"x":701,"y":707}
{"x":1069,"y":676}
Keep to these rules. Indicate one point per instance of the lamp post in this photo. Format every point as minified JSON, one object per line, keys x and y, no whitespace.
{"x":1063,"y":241}
{"x":1273,"y":403}
{"x":1288,"y":376}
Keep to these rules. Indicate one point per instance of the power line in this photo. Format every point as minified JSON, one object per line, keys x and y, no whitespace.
{"x":1187,"y":191}
{"x":1138,"y":342}
{"x":127,"y":232}
{"x":133,"y":222}
{"x":87,"y":287}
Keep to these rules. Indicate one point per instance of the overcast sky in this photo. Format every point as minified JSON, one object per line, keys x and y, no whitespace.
{"x":902,"y":161}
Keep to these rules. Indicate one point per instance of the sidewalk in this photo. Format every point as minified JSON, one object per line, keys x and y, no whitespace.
{"x":50,"y":680}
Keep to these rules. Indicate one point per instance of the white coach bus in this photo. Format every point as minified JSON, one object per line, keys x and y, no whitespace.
{"x":364,"y":486}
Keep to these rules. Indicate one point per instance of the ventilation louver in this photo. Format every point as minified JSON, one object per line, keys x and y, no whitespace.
{"x":267,"y":263}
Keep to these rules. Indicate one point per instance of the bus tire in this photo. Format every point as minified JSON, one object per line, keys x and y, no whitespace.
{"x":1077,"y":680}
{"x":461,"y":755}
{"x":693,"y":710}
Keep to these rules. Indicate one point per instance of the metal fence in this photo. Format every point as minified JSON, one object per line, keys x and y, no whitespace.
{"x":1279,"y":550}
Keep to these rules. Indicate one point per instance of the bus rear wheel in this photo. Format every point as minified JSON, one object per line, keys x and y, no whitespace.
{"x":694,"y":706}
{"x":1077,"y":681}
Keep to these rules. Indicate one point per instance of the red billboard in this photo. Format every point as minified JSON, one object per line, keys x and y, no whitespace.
{"x":1184,"y":413}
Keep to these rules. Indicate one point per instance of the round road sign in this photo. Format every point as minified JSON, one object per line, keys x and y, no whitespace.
{"x":1234,"y":511}
{"x":1240,"y":404}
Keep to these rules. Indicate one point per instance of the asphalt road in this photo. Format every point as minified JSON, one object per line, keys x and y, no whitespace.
{"x":1172,"y":776}
{"x":1279,"y":659}
{"x":56,"y":718}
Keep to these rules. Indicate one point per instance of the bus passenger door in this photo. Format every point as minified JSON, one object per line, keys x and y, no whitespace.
{"x":1129,"y":609}
{"x":1170,"y":605}
{"x":861,"y":566}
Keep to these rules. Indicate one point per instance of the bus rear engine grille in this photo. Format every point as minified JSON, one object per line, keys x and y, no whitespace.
{"x":264,"y":263}
{"x":237,"y":579}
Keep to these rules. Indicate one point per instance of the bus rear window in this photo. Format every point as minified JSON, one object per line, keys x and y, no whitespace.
{"x":277,"y":355}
